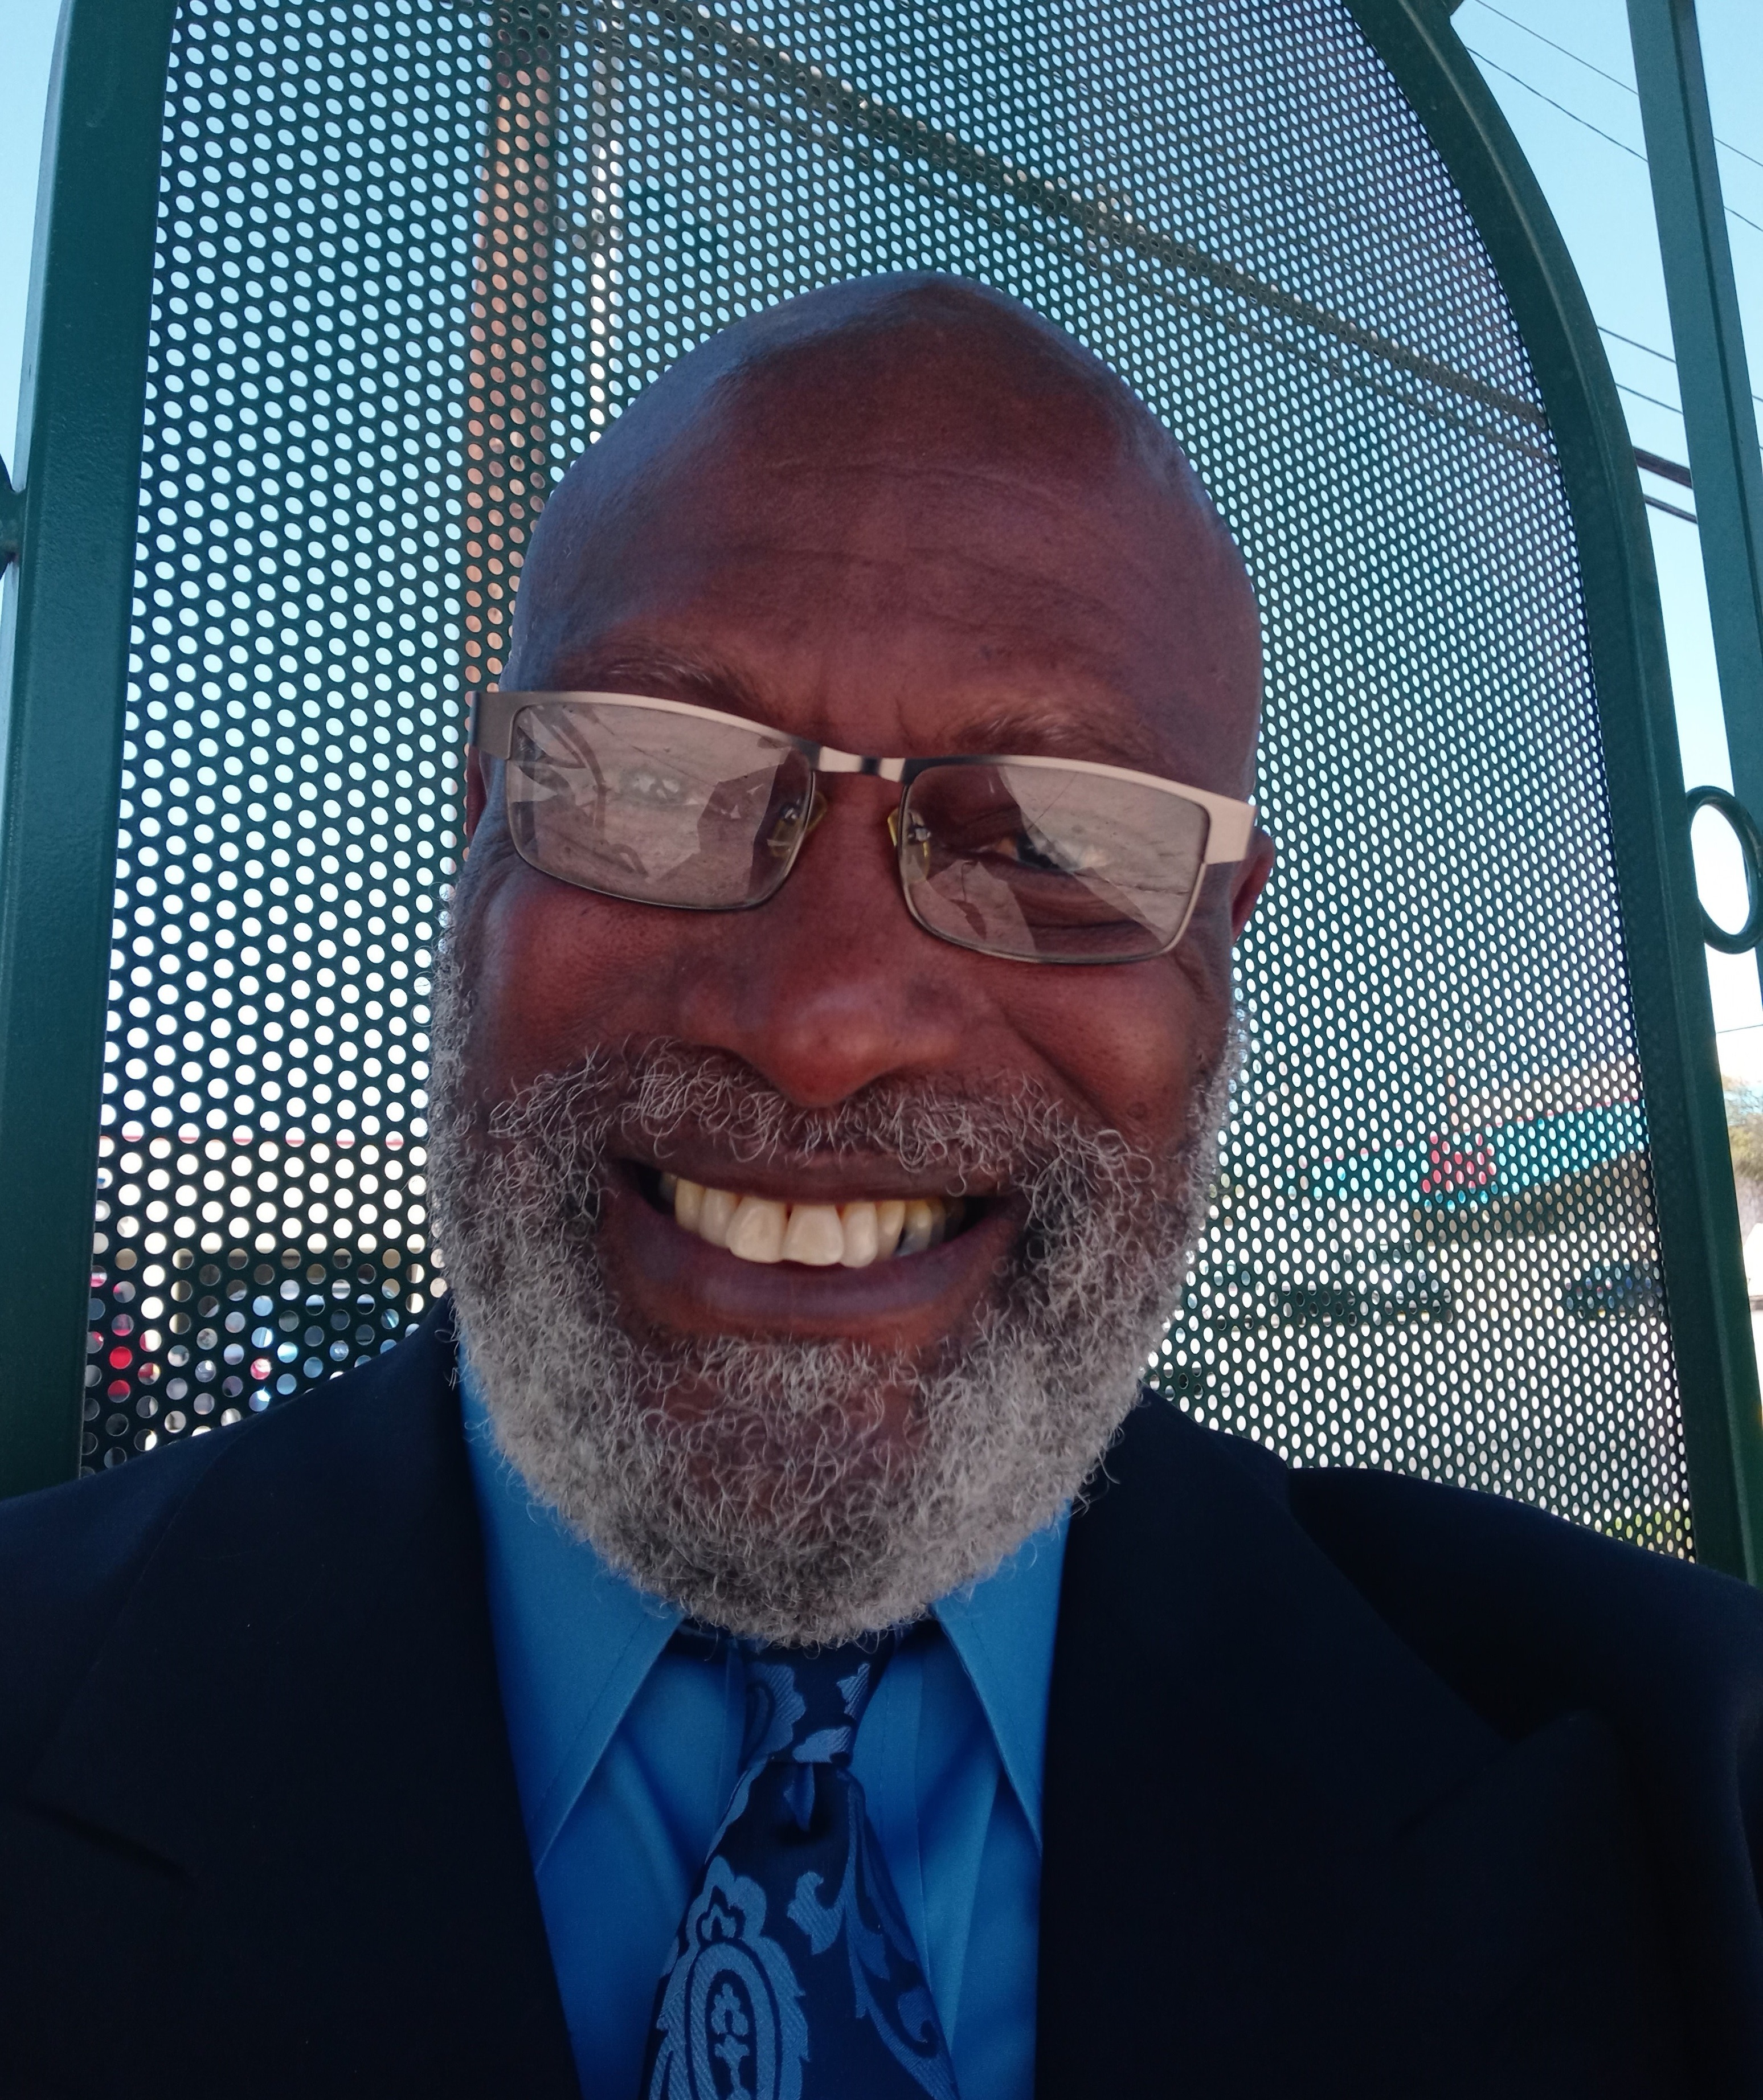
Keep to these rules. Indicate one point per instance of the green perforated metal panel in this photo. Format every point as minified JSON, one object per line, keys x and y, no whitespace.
{"x":411,"y":258}
{"x":290,"y":774}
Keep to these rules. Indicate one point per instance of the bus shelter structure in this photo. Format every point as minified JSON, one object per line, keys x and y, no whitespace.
{"x":328,"y":293}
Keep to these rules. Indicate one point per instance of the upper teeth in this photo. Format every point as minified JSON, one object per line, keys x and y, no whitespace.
{"x":822,"y":1235}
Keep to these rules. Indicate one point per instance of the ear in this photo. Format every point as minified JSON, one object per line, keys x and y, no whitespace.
{"x":477,"y":791}
{"x":1251,"y":879}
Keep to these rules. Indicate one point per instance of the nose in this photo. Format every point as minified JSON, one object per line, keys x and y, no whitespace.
{"x":830,"y":986}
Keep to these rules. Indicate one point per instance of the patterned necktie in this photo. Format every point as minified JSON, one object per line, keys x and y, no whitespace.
{"x":793,"y":1976}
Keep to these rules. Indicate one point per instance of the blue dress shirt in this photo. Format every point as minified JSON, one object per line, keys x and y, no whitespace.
{"x":627,"y":1755}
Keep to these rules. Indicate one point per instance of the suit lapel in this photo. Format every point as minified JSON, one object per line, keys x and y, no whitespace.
{"x":1283,"y":1857}
{"x":291,"y":1750}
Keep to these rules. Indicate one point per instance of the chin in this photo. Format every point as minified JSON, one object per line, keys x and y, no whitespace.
{"x":802,"y":1451}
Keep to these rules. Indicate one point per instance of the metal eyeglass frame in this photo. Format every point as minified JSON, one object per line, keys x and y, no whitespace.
{"x":1229,"y":827}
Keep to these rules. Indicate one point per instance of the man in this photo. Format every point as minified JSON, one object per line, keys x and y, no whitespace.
{"x":744,"y":1657}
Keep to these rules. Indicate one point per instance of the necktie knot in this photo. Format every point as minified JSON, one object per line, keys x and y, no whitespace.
{"x":804,"y":1706}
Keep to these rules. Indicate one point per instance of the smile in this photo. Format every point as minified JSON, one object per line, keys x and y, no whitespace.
{"x":765,"y":1229}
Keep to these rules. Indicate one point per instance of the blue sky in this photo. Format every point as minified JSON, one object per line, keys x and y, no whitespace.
{"x":1563,"y":72}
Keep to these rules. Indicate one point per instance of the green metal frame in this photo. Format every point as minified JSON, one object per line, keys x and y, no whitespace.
{"x":1697,"y":1205}
{"x":1719,"y":419}
{"x":64,"y":657}
{"x":64,"y":665}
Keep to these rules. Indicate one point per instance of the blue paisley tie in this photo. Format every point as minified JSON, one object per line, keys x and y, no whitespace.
{"x":793,"y":1976}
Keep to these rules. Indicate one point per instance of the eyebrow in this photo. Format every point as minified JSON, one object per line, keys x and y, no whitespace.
{"x":657,"y":674}
{"x":1040,"y":731}
{"x":1003,"y":731}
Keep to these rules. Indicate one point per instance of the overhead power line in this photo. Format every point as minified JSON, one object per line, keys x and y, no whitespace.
{"x":1608,"y":138}
{"x":1615,"y":80}
{"x":1666,"y":469}
{"x":1652,"y":401}
{"x":1670,"y":510}
{"x":1597,"y":131}
{"x":1664,"y":357}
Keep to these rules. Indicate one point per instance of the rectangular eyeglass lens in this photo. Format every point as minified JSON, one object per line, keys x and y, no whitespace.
{"x":660,"y":808}
{"x":1064,"y":865}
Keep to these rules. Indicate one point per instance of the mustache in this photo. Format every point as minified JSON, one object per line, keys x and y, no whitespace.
{"x":649,"y":1095}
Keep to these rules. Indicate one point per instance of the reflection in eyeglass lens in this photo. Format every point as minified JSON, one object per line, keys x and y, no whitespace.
{"x":1011,"y":858}
{"x":667,"y":809}
{"x":1026,"y":860}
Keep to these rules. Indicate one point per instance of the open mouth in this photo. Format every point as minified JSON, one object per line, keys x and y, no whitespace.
{"x":766,"y":1229}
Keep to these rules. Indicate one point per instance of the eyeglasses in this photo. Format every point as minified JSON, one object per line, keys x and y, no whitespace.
{"x":1042,"y":860}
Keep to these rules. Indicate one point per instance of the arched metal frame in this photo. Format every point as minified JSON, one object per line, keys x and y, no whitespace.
{"x":1697,"y":1204}
{"x":63,"y":655}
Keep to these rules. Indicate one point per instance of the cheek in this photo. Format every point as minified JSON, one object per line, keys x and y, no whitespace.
{"x":557,"y":971}
{"x":1133,"y":1043}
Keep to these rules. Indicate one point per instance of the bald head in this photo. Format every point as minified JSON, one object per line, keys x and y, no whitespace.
{"x":898,"y":418}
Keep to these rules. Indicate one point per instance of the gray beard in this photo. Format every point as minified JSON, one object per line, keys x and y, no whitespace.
{"x":785,"y":1512}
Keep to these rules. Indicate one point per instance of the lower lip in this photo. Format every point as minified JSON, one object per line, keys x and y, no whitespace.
{"x":673,"y":1279}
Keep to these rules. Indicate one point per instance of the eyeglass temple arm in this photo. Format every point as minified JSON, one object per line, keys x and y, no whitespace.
{"x":489,"y":722}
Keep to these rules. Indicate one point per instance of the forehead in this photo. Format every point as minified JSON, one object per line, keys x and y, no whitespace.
{"x":896,"y":595}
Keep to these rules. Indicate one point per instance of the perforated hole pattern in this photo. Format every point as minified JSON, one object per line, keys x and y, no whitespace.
{"x":412,"y":257}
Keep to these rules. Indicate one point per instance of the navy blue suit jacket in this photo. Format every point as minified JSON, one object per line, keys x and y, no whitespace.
{"x":1356,"y":1786}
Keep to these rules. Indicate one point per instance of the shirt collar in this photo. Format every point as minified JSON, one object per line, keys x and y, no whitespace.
{"x":1003,"y":1630}
{"x":574,"y":1640}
